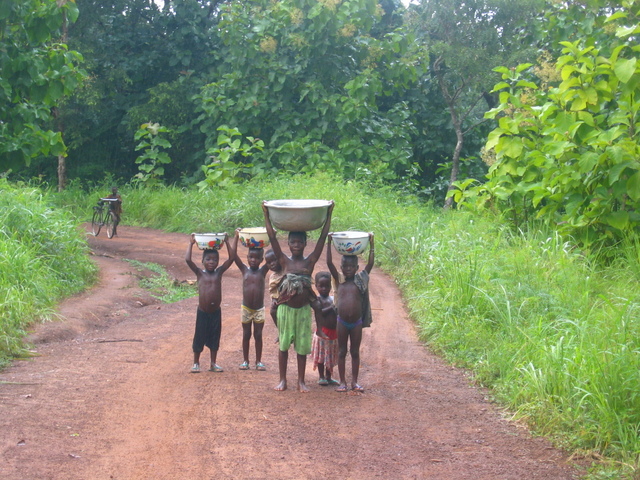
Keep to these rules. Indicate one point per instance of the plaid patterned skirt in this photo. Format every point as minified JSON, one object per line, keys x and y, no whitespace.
{"x":324,"y":351}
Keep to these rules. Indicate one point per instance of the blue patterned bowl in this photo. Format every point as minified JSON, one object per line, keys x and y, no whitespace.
{"x":350,"y":243}
{"x":210,"y":241}
{"x":254,"y":237}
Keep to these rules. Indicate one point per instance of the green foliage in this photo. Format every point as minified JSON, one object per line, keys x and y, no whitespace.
{"x":43,"y":258}
{"x":310,"y":80}
{"x":171,"y":105}
{"x":144,"y":60}
{"x":37,"y":73}
{"x":228,"y":159}
{"x":464,"y":41}
{"x":152,"y":161}
{"x":568,"y":154}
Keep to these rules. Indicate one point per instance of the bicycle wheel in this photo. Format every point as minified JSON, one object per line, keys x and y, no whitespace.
{"x":96,"y":222}
{"x":108,"y":223}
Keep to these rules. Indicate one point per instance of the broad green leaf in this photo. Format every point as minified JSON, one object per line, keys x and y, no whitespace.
{"x":627,"y":31}
{"x":493,"y":138}
{"x":526,"y":84}
{"x":511,"y":147}
{"x":619,"y":220}
{"x":522,"y":67}
{"x":633,"y":186}
{"x":588,"y":161}
{"x":557,"y":148}
{"x":625,"y":68}
{"x":500,"y":86}
{"x":616,"y":16}
{"x":616,"y":171}
{"x":586,"y":117}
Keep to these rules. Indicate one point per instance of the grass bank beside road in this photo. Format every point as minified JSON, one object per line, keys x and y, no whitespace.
{"x":43,"y":258}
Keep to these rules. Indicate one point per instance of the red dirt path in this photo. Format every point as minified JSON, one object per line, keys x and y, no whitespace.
{"x":109,"y":396}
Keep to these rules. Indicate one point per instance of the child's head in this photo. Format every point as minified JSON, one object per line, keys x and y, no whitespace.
{"x":349,"y":265}
{"x":114,"y":190}
{"x":323,"y":283}
{"x":297,"y":242}
{"x":272,"y":261}
{"x":210,"y":260}
{"x":254,"y":257}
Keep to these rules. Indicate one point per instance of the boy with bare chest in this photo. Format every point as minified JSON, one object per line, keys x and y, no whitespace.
{"x":253,"y":314}
{"x":295,"y":297}
{"x":208,"y":318}
{"x":354,"y":310}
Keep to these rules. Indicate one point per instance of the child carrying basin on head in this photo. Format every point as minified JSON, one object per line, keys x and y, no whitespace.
{"x":253,"y":316}
{"x":354,"y":310}
{"x":294,"y":309}
{"x":209,"y":318}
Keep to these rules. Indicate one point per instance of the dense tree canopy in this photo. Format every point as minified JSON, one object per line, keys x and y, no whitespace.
{"x":465,"y":40}
{"x":566,"y":147}
{"x":367,"y":90}
{"x":319,"y":82}
{"x":144,"y":62}
{"x":37,"y":71}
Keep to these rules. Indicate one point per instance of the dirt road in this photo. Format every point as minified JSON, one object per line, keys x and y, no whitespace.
{"x":109,"y":396}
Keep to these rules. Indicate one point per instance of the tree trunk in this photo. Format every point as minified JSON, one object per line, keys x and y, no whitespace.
{"x":455,"y":165}
{"x":62,"y":173}
{"x":62,"y":164}
{"x":456,"y":120}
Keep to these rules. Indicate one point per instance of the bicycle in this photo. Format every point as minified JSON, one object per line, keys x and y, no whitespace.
{"x":102,"y":216}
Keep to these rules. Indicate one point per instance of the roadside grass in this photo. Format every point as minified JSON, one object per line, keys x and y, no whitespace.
{"x":43,"y":258}
{"x":552,"y":330}
{"x":160,"y":284}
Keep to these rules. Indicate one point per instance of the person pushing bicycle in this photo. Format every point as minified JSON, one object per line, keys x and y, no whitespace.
{"x":116,"y":208}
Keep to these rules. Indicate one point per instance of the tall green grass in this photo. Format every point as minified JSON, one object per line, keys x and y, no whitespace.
{"x":43,"y":257}
{"x":553,"y":331}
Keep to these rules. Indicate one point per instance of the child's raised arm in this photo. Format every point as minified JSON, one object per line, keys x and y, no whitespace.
{"x":187,"y":256}
{"x":372,"y":254}
{"x":236,"y":257}
{"x":275,"y":246}
{"x":315,"y":255}
{"x":231,"y":250}
{"x":332,"y":267}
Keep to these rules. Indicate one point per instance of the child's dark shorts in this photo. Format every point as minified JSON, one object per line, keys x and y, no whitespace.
{"x":208,"y":329}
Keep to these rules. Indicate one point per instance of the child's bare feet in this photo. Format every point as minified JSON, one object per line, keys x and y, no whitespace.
{"x":302,"y":388}
{"x":281,"y":387}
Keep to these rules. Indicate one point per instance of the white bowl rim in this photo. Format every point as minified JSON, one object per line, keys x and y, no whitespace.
{"x":221,"y":234}
{"x":297,"y":203}
{"x":253,"y":230}
{"x":350,"y":234}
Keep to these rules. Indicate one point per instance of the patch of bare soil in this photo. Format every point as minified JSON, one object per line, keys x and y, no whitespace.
{"x":109,"y":396}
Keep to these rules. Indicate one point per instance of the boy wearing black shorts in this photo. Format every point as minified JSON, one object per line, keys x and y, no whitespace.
{"x":208,"y":319}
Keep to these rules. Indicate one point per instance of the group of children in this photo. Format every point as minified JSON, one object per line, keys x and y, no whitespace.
{"x":339,"y":321}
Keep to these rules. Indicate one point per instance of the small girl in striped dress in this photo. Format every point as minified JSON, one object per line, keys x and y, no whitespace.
{"x":324,"y":349}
